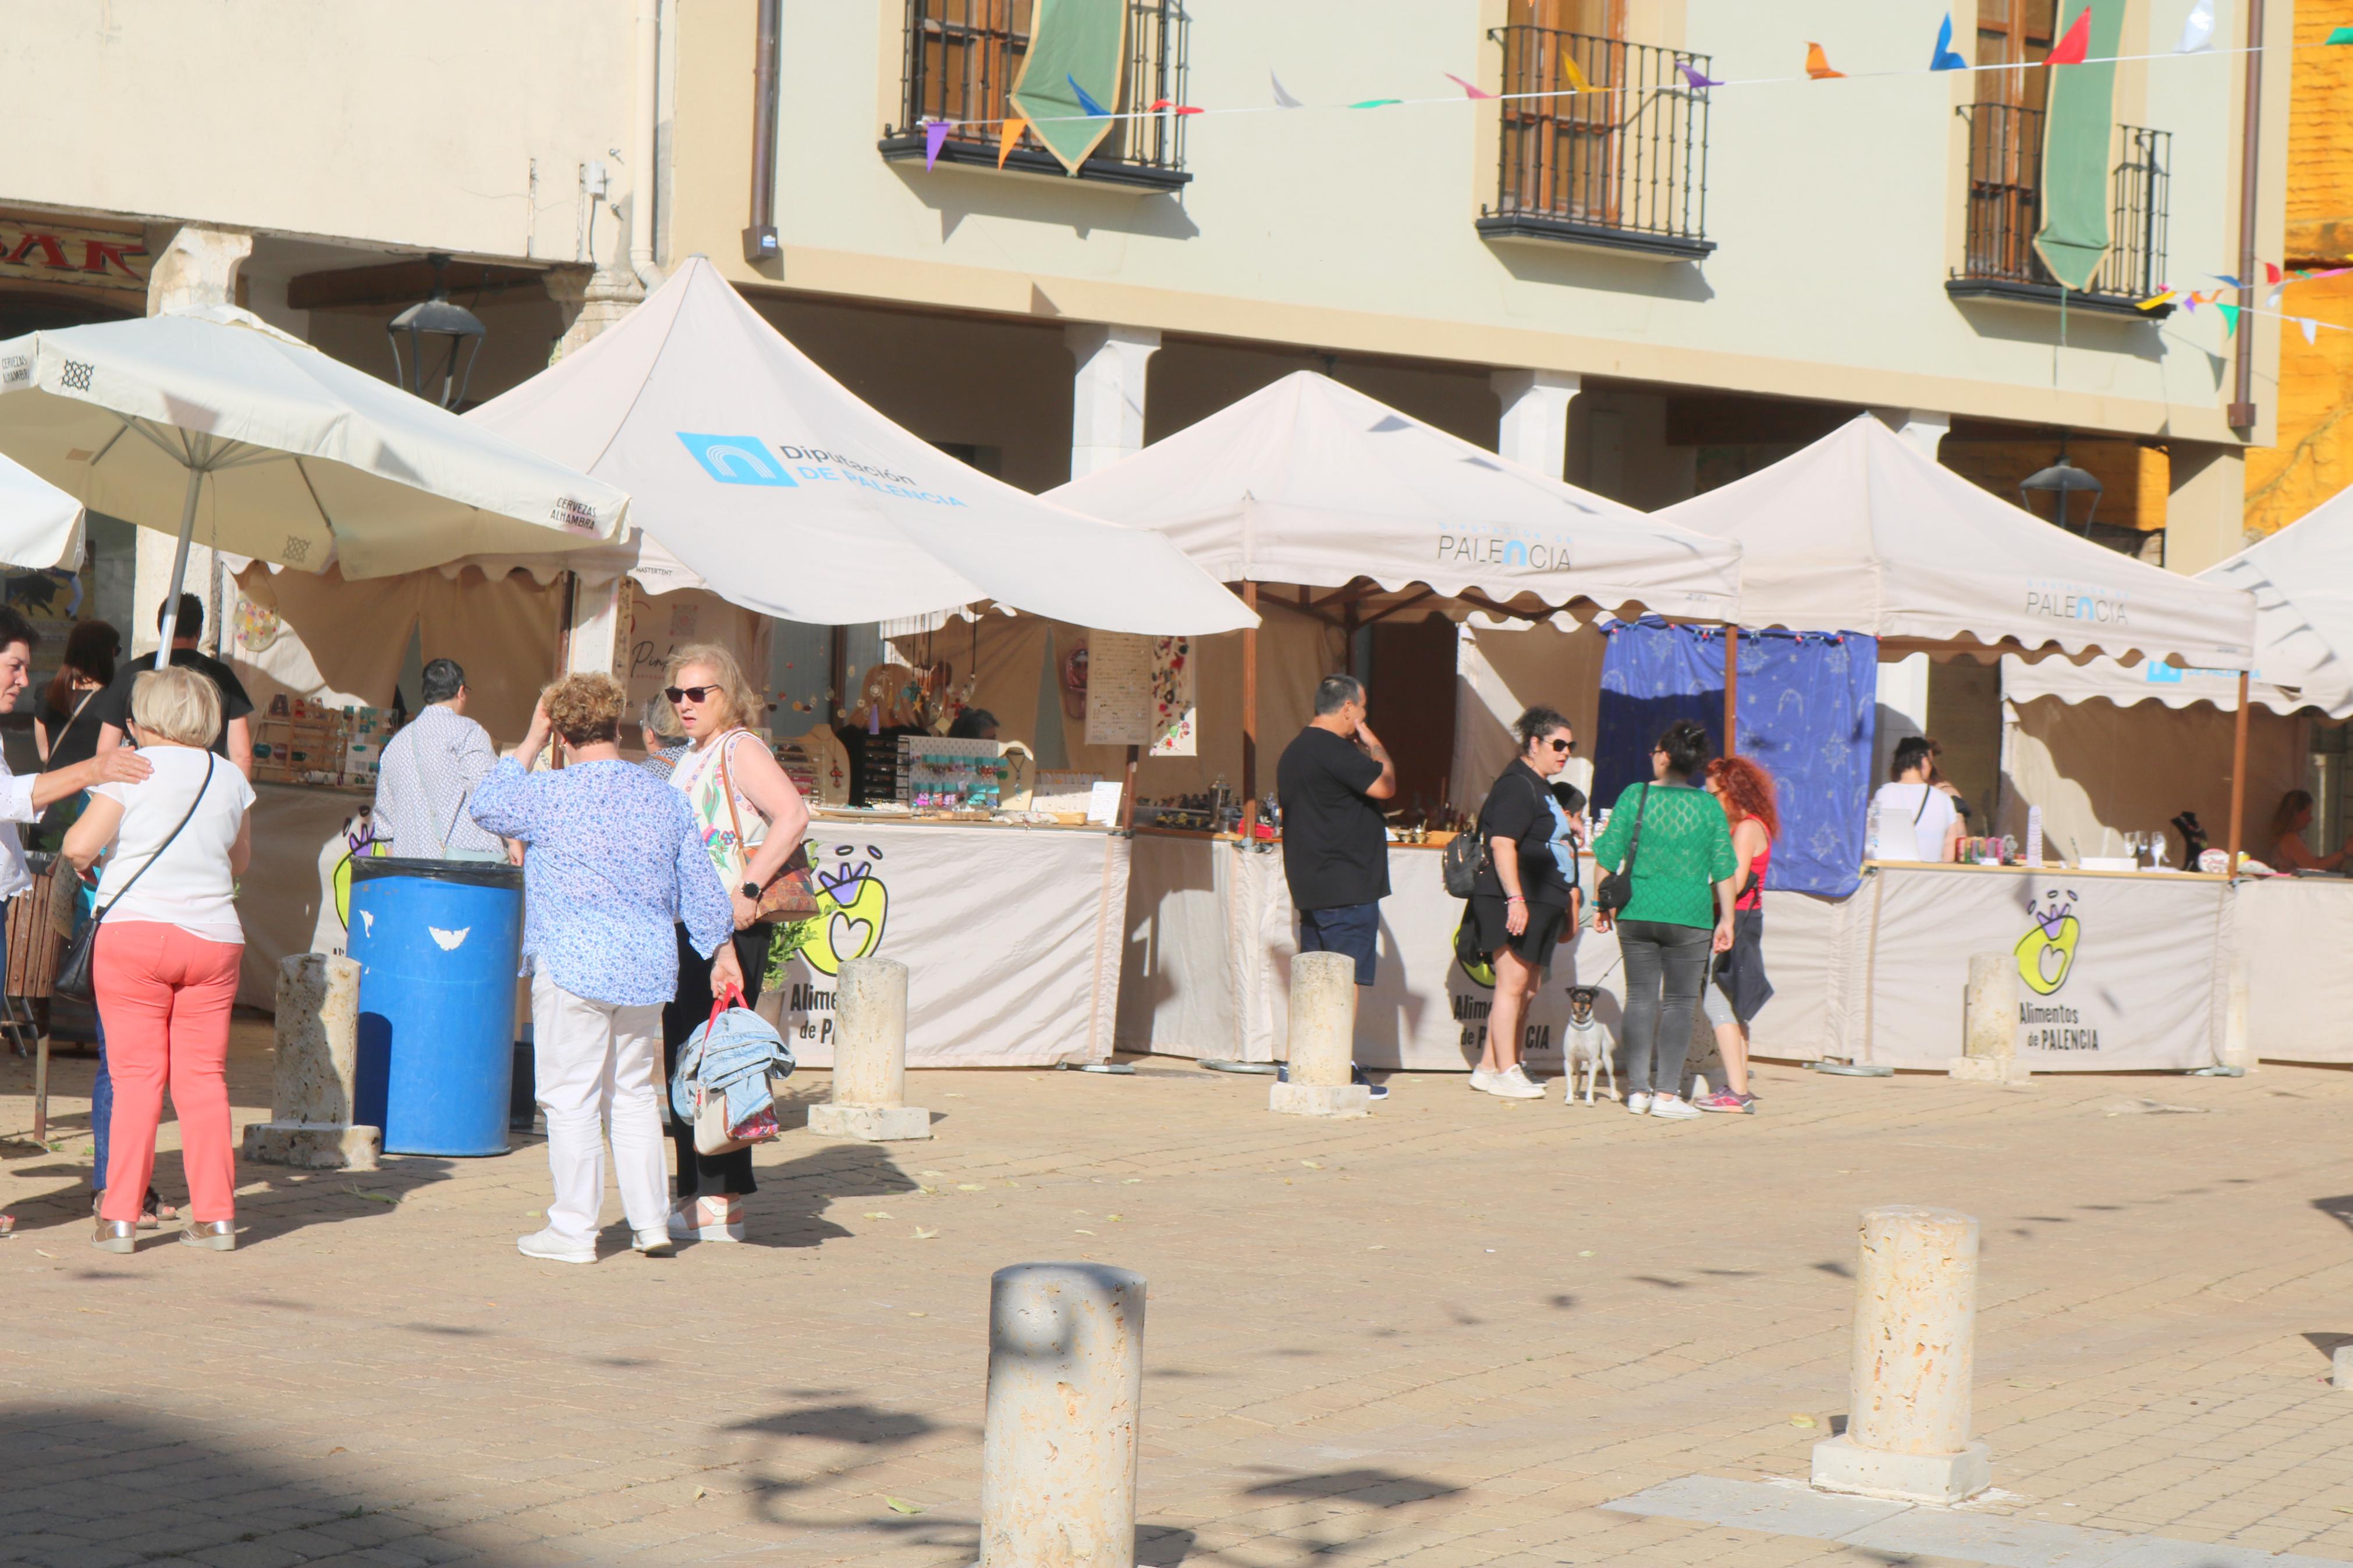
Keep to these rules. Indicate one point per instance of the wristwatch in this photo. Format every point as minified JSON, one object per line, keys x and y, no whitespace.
{"x":752,"y":892}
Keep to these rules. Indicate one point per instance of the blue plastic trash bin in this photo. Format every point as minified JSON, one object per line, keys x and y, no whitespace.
{"x":437,"y":942}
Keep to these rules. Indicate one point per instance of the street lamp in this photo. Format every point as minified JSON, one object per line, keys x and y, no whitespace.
{"x":436,"y":328}
{"x":2062,"y":479}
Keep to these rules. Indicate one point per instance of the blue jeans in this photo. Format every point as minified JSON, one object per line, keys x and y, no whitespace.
{"x":101,"y":1113}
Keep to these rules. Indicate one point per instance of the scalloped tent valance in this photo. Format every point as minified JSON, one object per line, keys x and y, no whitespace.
{"x":1311,"y":483}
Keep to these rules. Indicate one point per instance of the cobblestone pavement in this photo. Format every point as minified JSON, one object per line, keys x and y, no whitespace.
{"x":1443,"y":1336}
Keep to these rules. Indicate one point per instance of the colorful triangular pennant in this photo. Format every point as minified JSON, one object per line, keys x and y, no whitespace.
{"x":1087,"y":105}
{"x":1470,"y":90}
{"x":1009,"y":136}
{"x":935,"y":136}
{"x":2075,"y":45}
{"x":1943,"y":57}
{"x":1283,"y":100}
{"x":1818,"y":64}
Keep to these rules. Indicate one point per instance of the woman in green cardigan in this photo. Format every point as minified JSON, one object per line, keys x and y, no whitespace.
{"x":1679,"y":915}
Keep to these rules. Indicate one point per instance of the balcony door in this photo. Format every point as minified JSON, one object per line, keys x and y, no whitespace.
{"x":1562,"y":146}
{"x":2006,"y":137}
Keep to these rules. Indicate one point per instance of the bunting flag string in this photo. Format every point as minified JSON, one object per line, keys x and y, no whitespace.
{"x":2071,"y":49}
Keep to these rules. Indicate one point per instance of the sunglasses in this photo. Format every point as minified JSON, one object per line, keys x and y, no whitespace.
{"x":1561,"y":747}
{"x":678,"y":694}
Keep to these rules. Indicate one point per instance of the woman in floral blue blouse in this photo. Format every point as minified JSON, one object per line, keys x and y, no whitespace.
{"x":614,"y":862}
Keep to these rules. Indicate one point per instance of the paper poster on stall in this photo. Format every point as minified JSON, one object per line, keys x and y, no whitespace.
{"x":1140,"y":693}
{"x":1172,"y":714}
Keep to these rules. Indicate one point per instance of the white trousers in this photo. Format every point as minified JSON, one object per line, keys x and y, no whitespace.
{"x":597,"y":1065}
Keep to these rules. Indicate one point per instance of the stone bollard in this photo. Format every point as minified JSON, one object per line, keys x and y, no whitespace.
{"x":870,"y":1058}
{"x":1990,"y":1023}
{"x":2340,"y":1367}
{"x":317,"y":1071}
{"x":1915,"y":1312}
{"x":1323,"y":1041}
{"x":1065,"y":1396}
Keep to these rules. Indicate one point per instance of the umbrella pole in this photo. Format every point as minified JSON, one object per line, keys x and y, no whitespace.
{"x":1250,"y":717}
{"x":2238,"y":776}
{"x":171,"y":627}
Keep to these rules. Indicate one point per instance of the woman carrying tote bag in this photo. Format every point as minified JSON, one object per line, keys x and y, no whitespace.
{"x":752,"y":820}
{"x":166,"y":952}
{"x":1679,"y":911}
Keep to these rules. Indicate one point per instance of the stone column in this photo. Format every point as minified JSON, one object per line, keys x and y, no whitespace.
{"x":1989,"y":1022}
{"x":198,"y":267}
{"x":1323,"y":1040}
{"x":1902,"y":706}
{"x":869,"y":1058}
{"x":317,"y":1071}
{"x":1533,"y":429}
{"x":1107,"y":394}
{"x":1921,"y":427}
{"x":2206,"y":506}
{"x":1065,"y":1396}
{"x":1908,"y":1426}
{"x":591,"y":300}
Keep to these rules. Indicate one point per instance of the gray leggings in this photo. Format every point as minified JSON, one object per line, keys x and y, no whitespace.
{"x":1716,"y":1006}
{"x":1666,"y":968}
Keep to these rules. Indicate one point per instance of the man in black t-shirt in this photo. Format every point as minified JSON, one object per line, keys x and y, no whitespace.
{"x":111,"y":706}
{"x":1335,"y":852}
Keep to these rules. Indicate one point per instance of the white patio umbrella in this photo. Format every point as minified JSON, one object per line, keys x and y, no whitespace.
{"x":42,"y":524}
{"x":302,"y":459}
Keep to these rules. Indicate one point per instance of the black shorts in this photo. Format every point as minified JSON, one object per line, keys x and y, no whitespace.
{"x":1547,"y":924}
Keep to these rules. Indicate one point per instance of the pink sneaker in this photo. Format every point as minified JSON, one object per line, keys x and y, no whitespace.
{"x":1724,"y":1100}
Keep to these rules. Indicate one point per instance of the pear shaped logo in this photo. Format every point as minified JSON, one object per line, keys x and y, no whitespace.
{"x":2046,"y":953}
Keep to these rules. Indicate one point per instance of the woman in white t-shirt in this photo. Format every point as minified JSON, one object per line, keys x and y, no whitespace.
{"x":1912,"y":803}
{"x":165,"y":961}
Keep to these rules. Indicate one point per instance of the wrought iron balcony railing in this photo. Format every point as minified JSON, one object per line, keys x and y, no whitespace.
{"x":2005,"y":214}
{"x":1620,"y":167}
{"x":963,"y":58}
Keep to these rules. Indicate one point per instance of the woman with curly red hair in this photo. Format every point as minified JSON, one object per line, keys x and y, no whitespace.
{"x":1738,"y":988}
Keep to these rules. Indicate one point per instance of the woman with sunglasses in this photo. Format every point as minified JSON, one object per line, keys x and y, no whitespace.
{"x":1682,"y":866}
{"x":1525,"y":901}
{"x":752,"y":819}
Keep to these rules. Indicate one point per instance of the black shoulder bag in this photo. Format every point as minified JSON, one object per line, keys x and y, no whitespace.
{"x":1616,"y":890}
{"x":1465,"y":859}
{"x":75,"y":981}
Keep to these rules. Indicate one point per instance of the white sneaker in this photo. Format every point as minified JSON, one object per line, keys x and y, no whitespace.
{"x":1639,"y":1102}
{"x":652,"y":1243}
{"x":1483,"y":1080}
{"x":1672,"y":1109}
{"x":1515,"y":1083}
{"x":553,"y":1249}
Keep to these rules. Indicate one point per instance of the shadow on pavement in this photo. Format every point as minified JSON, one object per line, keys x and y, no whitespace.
{"x":76,"y":1495}
{"x":789,"y":1209}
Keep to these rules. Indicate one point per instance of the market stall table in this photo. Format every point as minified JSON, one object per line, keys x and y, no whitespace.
{"x":2292,"y":935}
{"x":1009,"y":934}
{"x":1211,"y":932}
{"x":2120,"y":971}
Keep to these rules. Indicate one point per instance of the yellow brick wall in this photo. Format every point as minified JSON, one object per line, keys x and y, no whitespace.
{"x":2132,"y":477}
{"x":2314,"y":460}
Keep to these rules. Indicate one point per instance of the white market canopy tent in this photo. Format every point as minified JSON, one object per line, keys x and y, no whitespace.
{"x":753,"y":470}
{"x":43,"y":522}
{"x":1311,"y":483}
{"x":1862,"y":532}
{"x":212,"y":423}
{"x":2302,"y":580}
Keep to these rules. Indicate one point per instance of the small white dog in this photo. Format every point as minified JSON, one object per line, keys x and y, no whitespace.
{"x":1585,"y":1043}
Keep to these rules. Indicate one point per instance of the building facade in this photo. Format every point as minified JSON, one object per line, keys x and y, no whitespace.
{"x":1556,"y":242}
